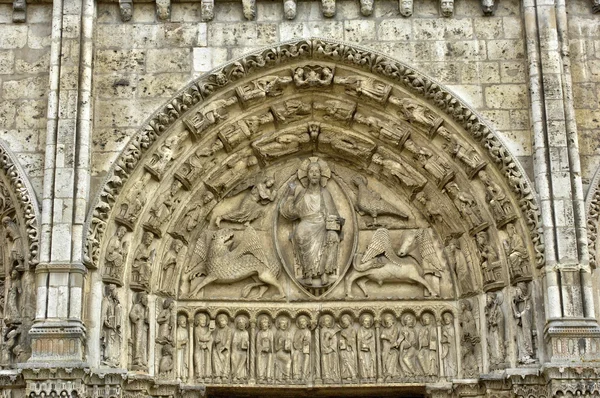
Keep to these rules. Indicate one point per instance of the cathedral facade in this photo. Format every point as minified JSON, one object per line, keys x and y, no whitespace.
{"x":313,"y":198}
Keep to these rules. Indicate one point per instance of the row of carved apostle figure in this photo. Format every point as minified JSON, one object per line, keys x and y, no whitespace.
{"x":285,"y":350}
{"x":297,"y":351}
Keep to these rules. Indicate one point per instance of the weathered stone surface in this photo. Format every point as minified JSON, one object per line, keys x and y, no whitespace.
{"x":161,"y":179}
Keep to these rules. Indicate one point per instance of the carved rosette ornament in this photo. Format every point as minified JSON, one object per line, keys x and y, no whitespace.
{"x":350,"y":204}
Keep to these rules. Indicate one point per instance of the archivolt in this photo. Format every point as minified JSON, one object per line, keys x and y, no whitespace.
{"x":24,"y":201}
{"x":592,"y":205}
{"x":257,"y":85}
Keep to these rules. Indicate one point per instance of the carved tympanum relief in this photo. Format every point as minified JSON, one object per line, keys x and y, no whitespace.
{"x":315,"y":224}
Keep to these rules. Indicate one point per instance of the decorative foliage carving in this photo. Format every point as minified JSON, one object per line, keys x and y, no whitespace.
{"x":24,"y":203}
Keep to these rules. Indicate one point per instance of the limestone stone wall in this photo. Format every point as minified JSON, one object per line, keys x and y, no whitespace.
{"x":584,"y":36}
{"x":141,"y":63}
{"x":24,"y":65}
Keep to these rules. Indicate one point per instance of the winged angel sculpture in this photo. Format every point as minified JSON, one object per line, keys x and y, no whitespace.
{"x":216,"y":258}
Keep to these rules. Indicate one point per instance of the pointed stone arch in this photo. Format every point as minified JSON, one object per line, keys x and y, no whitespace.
{"x":246,"y":136}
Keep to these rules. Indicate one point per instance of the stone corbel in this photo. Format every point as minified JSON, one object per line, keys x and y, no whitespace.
{"x":19,"y":11}
{"x":447,"y":8}
{"x":406,"y":7}
{"x":366,"y":7}
{"x":488,"y":7}
{"x":126,"y":10}
{"x":163,"y":9}
{"x":249,"y":9}
{"x":207,"y":10}
{"x":328,"y":8}
{"x":289,"y":9}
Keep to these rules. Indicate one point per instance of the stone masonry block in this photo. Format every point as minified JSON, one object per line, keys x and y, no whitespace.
{"x":471,"y":94}
{"x":124,"y":113}
{"x":32,"y":61}
{"x":232,"y":34}
{"x":506,"y":49}
{"x":161,"y":85}
{"x":480,"y":72}
{"x":13,"y":36}
{"x":465,"y":49}
{"x":31,"y":114}
{"x":237,"y":52}
{"x":205,"y":59}
{"x":519,"y":142}
{"x":123,"y":36}
{"x":7,"y":113}
{"x":143,"y":13}
{"x":395,"y":29}
{"x":359,"y":30}
{"x":20,"y":140}
{"x":330,"y":29}
{"x":506,"y":96}
{"x":115,"y":86}
{"x":348,"y":9}
{"x":445,"y":72}
{"x":7,"y":61}
{"x":585,"y":95}
{"x":202,"y":34}
{"x":169,"y":60}
{"x":177,"y":35}
{"x":228,"y":12}
{"x":185,"y":12}
{"x":386,"y":9}
{"x":292,"y":30}
{"x":39,"y":13}
{"x":107,"y":13}
{"x":513,"y":27}
{"x":110,"y":139}
{"x":513,"y":72}
{"x":121,"y":61}
{"x":269,"y":11}
{"x":30,"y":87}
{"x":39,"y":36}
{"x":488,"y":28}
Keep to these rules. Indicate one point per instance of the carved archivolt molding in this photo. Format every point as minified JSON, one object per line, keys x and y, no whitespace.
{"x":19,"y":218}
{"x":356,"y":58}
{"x":592,"y":203}
{"x":26,"y":202}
